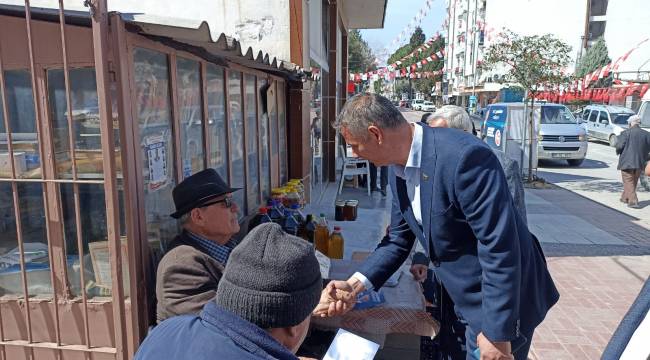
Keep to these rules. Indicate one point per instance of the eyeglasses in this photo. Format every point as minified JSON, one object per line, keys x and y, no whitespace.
{"x":227,"y":201}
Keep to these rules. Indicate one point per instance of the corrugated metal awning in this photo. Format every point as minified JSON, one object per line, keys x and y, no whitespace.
{"x":189,"y":35}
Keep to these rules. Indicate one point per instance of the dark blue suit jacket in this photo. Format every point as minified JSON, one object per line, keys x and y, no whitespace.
{"x":483,"y":252}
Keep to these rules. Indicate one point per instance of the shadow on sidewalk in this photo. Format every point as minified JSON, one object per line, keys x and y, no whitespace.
{"x":561,"y":202}
{"x":558,"y":164}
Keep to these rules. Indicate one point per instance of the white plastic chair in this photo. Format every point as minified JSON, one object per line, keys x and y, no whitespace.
{"x":350,"y":167}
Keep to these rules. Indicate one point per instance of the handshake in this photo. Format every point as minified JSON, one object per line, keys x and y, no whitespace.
{"x":338,"y":298}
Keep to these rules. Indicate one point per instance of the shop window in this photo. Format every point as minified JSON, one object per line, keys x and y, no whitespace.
{"x":190,"y":110}
{"x":32,"y":218}
{"x":262,"y":86}
{"x":273,"y":130}
{"x":236,"y":124}
{"x":282,"y":131}
{"x":218,"y":158}
{"x":152,"y":103}
{"x":94,"y":236}
{"x":85,"y":123}
{"x":22,"y":120}
{"x":253,"y":178}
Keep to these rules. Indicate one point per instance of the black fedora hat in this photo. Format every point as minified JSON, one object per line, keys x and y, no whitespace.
{"x":197,"y":189}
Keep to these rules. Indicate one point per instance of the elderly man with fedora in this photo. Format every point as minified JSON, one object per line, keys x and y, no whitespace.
{"x":188,"y":274}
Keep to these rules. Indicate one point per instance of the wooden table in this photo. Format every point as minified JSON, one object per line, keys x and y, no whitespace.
{"x":403,"y":312}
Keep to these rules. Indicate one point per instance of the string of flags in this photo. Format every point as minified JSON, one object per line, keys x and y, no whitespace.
{"x":604,"y":71}
{"x":408,"y":30}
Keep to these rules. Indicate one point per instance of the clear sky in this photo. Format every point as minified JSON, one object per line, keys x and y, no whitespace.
{"x":399,"y":14}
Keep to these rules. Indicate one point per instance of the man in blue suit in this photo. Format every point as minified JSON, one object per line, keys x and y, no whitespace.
{"x":450,"y":193}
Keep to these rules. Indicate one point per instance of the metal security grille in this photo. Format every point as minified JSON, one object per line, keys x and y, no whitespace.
{"x":61,"y":302}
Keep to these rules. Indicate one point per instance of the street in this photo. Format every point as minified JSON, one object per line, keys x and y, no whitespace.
{"x":596,"y":179}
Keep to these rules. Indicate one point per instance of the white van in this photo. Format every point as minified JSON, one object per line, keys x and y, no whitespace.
{"x":557,"y":134}
{"x":644,"y":112}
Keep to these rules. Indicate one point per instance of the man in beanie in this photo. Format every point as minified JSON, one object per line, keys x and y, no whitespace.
{"x":264,"y":301}
{"x":188,"y":274}
{"x":633,"y":146}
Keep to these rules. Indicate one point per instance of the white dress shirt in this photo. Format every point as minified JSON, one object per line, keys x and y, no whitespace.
{"x":410,"y":173}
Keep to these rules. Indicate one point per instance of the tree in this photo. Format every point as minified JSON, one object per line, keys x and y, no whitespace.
{"x":377,"y":86}
{"x":417,"y":38}
{"x":360,"y":57}
{"x":596,"y":57}
{"x":534,"y":62}
{"x":422,"y":85}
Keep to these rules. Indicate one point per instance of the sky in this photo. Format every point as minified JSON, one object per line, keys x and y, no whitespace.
{"x":398,"y":15}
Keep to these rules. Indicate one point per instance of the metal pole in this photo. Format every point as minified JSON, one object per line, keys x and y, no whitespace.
{"x":99,"y":14}
{"x":474,"y":50}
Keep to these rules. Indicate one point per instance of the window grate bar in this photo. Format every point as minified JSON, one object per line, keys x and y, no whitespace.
{"x":75,"y":186}
{"x":100,"y":29}
{"x":55,"y":181}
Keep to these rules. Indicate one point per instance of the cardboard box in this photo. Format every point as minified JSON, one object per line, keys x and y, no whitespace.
{"x":20,"y":163}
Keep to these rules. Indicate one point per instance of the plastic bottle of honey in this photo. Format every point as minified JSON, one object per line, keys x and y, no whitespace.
{"x":321,"y":235}
{"x":335,"y":245}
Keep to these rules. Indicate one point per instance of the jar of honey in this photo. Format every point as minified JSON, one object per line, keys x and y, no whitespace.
{"x":335,"y":245}
{"x":350,"y":210}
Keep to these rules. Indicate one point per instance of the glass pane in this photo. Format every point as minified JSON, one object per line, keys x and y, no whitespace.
{"x":217,"y":121}
{"x":282,"y":130}
{"x":86,"y":126}
{"x":253,"y":178}
{"x":10,"y":281}
{"x":237,"y":139}
{"x":20,"y":105}
{"x":188,"y":78}
{"x":97,"y":267}
{"x":153,"y":111}
{"x":316,"y":130}
{"x":264,"y":140}
{"x":32,"y":217}
{"x":273,"y":131}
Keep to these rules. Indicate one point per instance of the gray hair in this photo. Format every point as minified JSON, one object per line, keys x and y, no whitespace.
{"x":456,"y":117}
{"x":185,"y":218}
{"x":634,"y":120}
{"x":363,"y":110}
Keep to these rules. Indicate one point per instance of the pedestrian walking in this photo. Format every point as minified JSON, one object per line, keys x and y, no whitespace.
{"x":633,"y":146}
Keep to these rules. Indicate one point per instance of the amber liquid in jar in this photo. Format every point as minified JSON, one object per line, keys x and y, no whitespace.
{"x":321,"y":238}
{"x":336,"y":242}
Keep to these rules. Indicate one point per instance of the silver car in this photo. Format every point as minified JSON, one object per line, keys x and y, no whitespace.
{"x":605,"y":122}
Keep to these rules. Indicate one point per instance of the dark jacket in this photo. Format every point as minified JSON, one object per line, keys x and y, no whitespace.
{"x":484,"y":254}
{"x":633,"y":146}
{"x":215,"y":334}
{"x":186,"y":279}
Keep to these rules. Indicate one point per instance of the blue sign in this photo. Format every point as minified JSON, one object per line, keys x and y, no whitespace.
{"x":494,"y":126}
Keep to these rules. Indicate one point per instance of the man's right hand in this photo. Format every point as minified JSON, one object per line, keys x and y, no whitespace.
{"x":419,"y":272}
{"x":337,"y":298}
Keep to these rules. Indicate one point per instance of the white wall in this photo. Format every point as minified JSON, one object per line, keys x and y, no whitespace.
{"x":628,"y":23}
{"x":316,"y":28}
{"x":563,"y":18}
{"x":262,"y":25}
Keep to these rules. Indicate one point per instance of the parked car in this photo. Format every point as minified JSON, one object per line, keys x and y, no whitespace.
{"x":417,"y":104}
{"x":559,"y":134}
{"x":428,"y":106}
{"x":605,"y":122}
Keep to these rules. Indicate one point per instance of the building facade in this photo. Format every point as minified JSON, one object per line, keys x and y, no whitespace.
{"x":474,"y":24}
